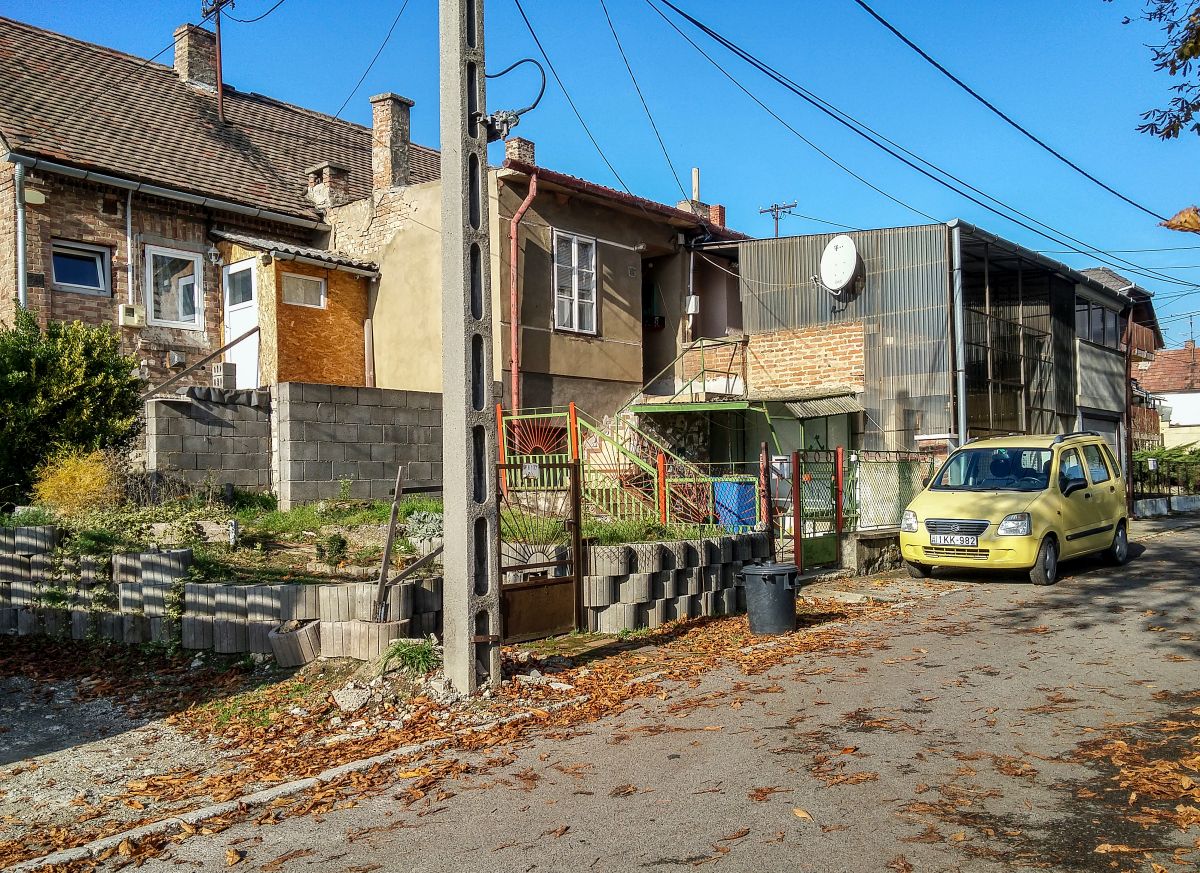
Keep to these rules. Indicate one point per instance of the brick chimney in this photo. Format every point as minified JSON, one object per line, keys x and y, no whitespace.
{"x":716,"y":215}
{"x":520,"y":150}
{"x":196,"y":55}
{"x":328,"y":185}
{"x":390,"y":139}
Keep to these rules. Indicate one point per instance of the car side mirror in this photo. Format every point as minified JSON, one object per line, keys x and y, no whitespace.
{"x":1074,"y":485}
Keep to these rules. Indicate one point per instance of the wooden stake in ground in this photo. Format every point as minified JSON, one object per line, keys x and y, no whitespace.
{"x":379,"y":609}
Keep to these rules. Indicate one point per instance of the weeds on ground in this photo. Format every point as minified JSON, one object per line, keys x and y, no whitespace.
{"x":30,"y":516}
{"x":417,"y":657}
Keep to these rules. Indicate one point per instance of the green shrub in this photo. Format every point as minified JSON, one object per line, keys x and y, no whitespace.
{"x":73,"y":483}
{"x":424,"y":526}
{"x":332,"y":549}
{"x":415,"y":656}
{"x":30,"y":516}
{"x":68,"y":387}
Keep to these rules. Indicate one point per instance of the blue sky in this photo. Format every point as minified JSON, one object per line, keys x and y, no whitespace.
{"x":1067,"y":70}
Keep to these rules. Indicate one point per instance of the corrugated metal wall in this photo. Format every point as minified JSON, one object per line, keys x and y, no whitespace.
{"x":903,"y":306}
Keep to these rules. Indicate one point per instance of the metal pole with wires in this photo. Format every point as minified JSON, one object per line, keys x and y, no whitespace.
{"x":776,"y":210}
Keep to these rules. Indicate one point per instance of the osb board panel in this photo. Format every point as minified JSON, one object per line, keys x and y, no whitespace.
{"x":324,"y":346}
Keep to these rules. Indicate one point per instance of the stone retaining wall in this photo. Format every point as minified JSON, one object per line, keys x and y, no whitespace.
{"x":144,"y":597}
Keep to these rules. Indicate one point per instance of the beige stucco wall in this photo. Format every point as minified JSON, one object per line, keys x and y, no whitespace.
{"x":407,"y":315}
{"x":1180,"y":435}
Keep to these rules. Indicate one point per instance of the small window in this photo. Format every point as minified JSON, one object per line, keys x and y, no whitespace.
{"x":174,"y":288}
{"x":80,"y":268}
{"x":1097,"y":467}
{"x":303,"y":290}
{"x":1096,"y":334}
{"x":1069,"y":468}
{"x":1110,"y":329}
{"x":1081,"y":318}
{"x":239,"y":283}
{"x":574,"y":283}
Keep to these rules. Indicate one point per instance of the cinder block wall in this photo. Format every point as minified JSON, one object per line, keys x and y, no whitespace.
{"x":202,"y":439}
{"x":329,"y":433}
{"x":302,"y":442}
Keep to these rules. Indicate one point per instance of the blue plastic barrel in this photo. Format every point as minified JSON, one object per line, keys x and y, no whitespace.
{"x":735,"y":504}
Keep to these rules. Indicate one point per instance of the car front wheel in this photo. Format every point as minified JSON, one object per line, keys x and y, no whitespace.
{"x":1045,"y":571}
{"x":1118,"y":552}
{"x":918,"y":571}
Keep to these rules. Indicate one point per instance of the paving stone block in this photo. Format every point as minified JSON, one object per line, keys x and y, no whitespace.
{"x":635,"y":588}
{"x":127,"y":567}
{"x":197,"y":632}
{"x":694,"y":553}
{"x":691,"y":581}
{"x":599,"y":590}
{"x":41,"y":568}
{"x":136,"y":630}
{"x":166,"y":566}
{"x":110,"y":626}
{"x":618,"y":617}
{"x":154,"y":598}
{"x":663,"y":584}
{"x":708,"y":601}
{"x":35,"y":540}
{"x":645,"y":558}
{"x":652,"y":614}
{"x":164,"y":629}
{"x":94,"y":570}
{"x":337,"y":604}
{"x":229,"y":603}
{"x":428,"y":595}
{"x":264,"y":603}
{"x":299,"y":602}
{"x":56,"y":623}
{"x":230,"y":636}
{"x":400,"y":598}
{"x":258,"y":636}
{"x":5,"y":595}
{"x":14,"y":569}
{"x":199,"y":599}
{"x":729,"y":601}
{"x":710,"y":578}
{"x":674,"y":554}
{"x":8,"y":540}
{"x":81,"y":623}
{"x":8,"y":620}
{"x":608,"y":560}
{"x":743,"y":547}
{"x":129,"y":597}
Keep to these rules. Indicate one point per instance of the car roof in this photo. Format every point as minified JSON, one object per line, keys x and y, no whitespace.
{"x":1030,"y":441}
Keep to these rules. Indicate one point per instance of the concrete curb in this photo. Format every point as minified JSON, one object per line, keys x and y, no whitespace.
{"x":267,"y":795}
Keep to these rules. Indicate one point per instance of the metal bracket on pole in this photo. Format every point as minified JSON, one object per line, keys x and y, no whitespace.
{"x":471,"y":598}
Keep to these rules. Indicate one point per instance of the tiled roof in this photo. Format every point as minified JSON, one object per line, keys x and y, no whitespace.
{"x":1172,"y":371}
{"x":95,"y":108}
{"x":269,"y":245}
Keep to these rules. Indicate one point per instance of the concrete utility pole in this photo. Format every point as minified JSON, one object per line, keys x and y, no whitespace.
{"x":776,"y":210}
{"x":471,"y":600}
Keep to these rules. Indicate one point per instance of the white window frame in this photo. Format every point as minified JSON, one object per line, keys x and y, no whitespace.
{"x":197,"y":287}
{"x":100,"y":253}
{"x":240,"y":267}
{"x":324,"y":290}
{"x":575,"y":239}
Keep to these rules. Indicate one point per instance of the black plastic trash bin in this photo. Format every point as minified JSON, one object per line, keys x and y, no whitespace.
{"x":771,"y":597}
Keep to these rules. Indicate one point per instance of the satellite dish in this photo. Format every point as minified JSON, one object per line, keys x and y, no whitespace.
{"x":839,"y":264}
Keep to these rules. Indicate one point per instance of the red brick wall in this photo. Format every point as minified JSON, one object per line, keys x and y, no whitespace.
{"x":92,"y":213}
{"x":805,"y":359}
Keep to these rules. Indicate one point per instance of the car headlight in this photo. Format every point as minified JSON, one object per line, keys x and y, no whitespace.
{"x":908,"y":523}
{"x":1015,"y":525}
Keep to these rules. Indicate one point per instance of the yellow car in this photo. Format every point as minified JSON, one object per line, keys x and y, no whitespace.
{"x":1019,"y":503}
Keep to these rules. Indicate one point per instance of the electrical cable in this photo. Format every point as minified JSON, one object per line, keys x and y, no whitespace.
{"x":1015,"y":125}
{"x":873,"y":137}
{"x":258,"y":18}
{"x":570,"y":101}
{"x":1124,"y":251}
{"x":642,"y":97}
{"x":378,"y":52}
{"x":789,"y":127}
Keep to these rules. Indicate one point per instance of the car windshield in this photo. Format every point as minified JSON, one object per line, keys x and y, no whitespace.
{"x":985,"y":469}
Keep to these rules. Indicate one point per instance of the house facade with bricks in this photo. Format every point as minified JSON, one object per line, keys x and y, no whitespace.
{"x":126,"y":201}
{"x":925,"y":337}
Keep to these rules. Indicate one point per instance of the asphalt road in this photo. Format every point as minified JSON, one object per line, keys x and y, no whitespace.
{"x":947,"y":744}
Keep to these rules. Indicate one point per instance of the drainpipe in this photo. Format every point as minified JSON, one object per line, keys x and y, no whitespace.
{"x":22,"y":279}
{"x":514,"y":313}
{"x":129,"y":244}
{"x":960,"y":340}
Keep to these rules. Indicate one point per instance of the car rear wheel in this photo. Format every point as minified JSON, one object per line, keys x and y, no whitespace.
{"x":1045,"y":571}
{"x":918,"y":571}
{"x":1118,"y":552}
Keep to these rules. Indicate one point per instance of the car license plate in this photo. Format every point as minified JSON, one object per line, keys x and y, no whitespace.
{"x":953,"y":540}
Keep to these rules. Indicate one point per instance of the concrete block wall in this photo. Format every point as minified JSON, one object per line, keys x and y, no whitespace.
{"x":302,"y":441}
{"x":207,"y":440}
{"x":330,"y":433}
{"x":646,"y":584}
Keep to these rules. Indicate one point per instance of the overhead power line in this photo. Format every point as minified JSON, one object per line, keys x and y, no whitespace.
{"x":257,"y":18}
{"x":645,"y":106}
{"x":1003,"y":115}
{"x":387,"y":37}
{"x":1051,"y":233}
{"x":1124,"y":251}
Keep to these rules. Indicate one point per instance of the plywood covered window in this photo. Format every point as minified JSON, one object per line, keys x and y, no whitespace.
{"x":303,"y":290}
{"x":574,"y":282}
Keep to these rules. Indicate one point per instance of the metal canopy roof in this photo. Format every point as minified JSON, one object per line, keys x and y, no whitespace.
{"x":819,"y":407}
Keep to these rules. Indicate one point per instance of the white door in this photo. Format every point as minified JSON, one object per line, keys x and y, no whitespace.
{"x":241,"y":314}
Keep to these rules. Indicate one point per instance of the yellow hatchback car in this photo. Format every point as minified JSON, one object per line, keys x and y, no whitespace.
{"x":1019,"y":503}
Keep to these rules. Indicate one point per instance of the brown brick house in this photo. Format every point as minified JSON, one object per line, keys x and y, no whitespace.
{"x":126,"y":201}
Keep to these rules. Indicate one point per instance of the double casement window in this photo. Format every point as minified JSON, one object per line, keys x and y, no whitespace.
{"x":574,"y":283}
{"x":1099,"y":324}
{"x":81,"y":268}
{"x":303,"y":290}
{"x":174,"y":288}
